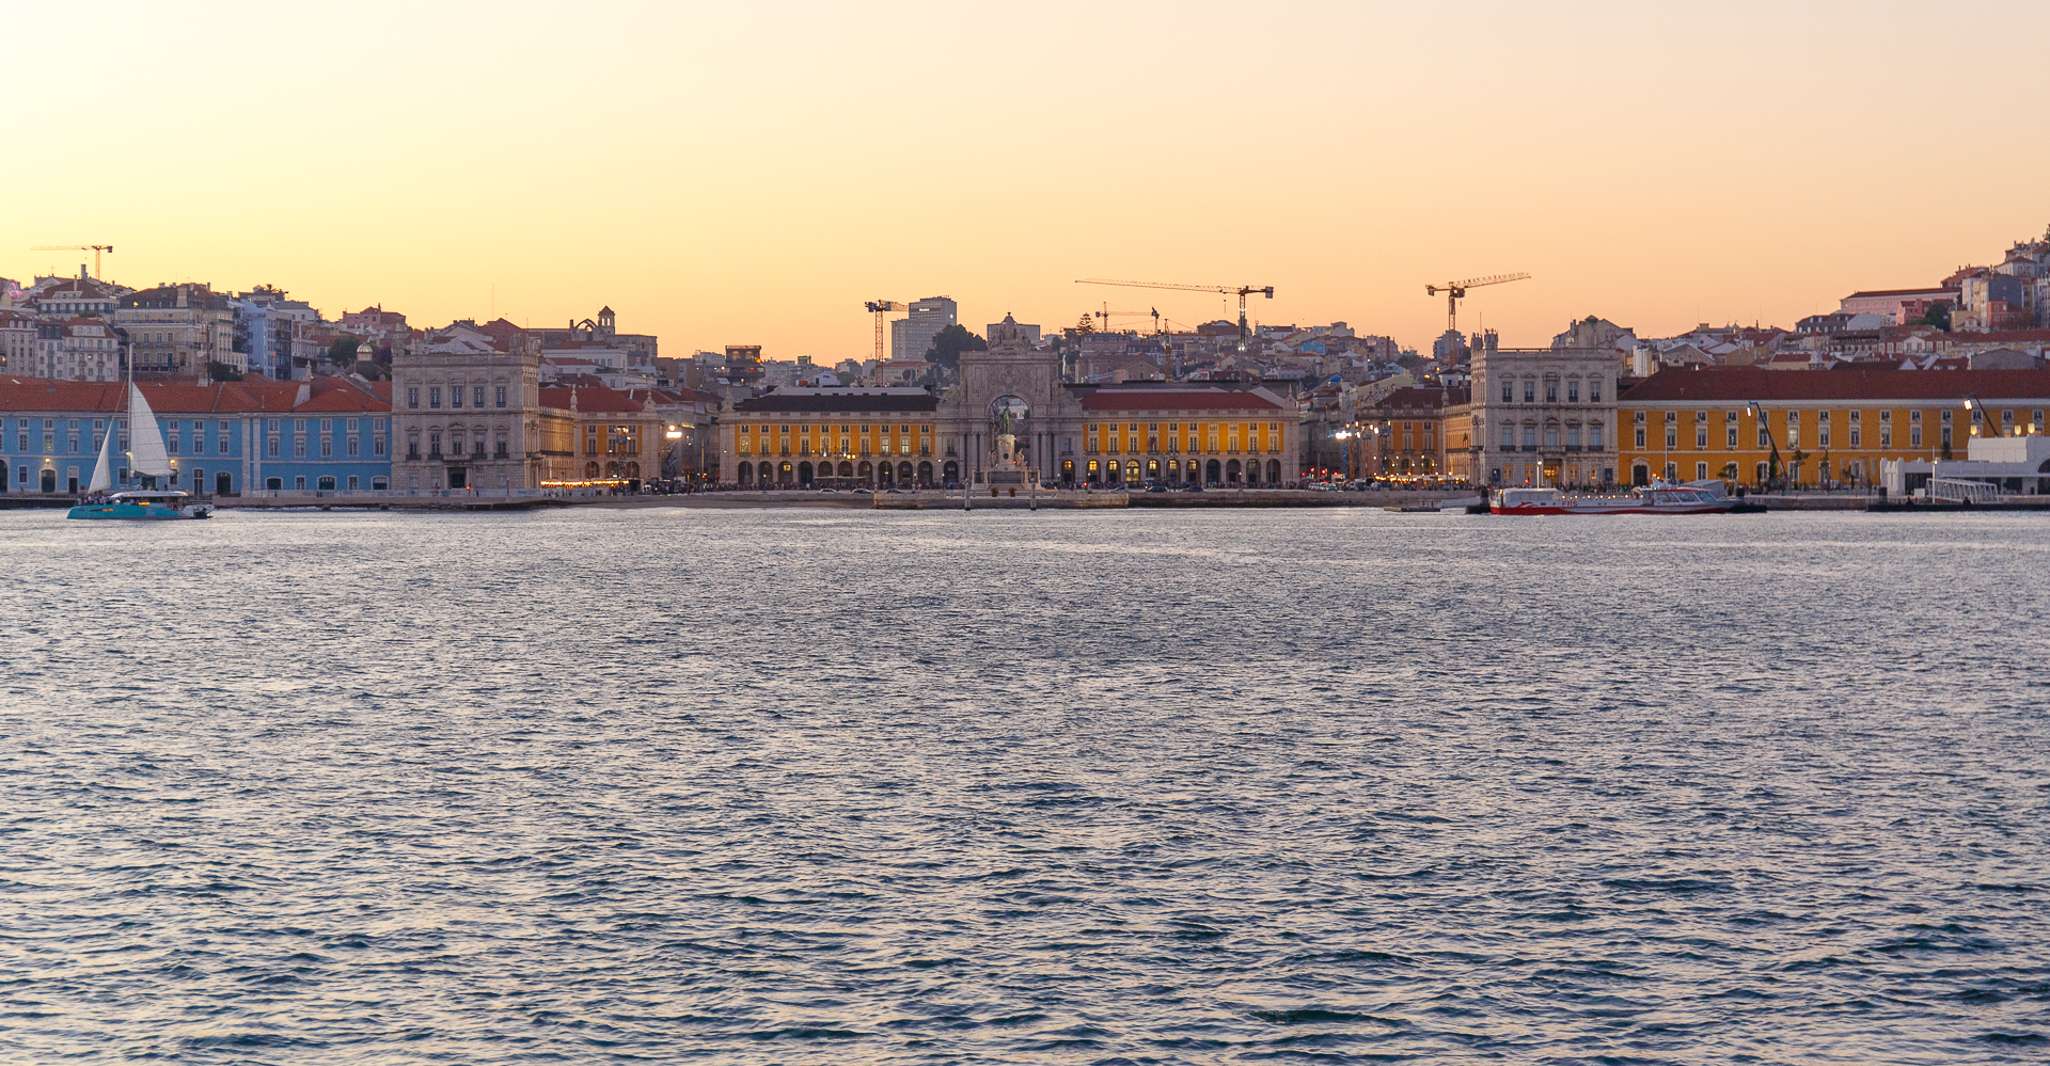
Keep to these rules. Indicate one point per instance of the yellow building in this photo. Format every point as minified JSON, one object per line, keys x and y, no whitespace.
{"x":837,"y":436}
{"x":1217,"y":433}
{"x":594,"y":436}
{"x":1179,"y":434}
{"x":1419,"y":431}
{"x":1828,"y":427}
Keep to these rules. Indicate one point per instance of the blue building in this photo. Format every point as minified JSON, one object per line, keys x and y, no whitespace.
{"x":329,"y":434}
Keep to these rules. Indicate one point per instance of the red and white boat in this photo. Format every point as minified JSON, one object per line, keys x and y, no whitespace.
{"x":1651,"y":499}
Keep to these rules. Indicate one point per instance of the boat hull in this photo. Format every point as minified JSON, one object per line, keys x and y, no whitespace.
{"x":1583,"y":509}
{"x":132,"y":512}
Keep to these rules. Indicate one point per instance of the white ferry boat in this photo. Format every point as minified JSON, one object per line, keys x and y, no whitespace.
{"x":1651,"y":499}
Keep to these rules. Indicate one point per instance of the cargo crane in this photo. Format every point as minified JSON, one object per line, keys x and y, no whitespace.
{"x":881,"y":308}
{"x":1241,"y":291}
{"x":95,"y":249}
{"x":1455,"y":291}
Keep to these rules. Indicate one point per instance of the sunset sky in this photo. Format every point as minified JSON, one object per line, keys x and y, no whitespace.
{"x":750,"y":173}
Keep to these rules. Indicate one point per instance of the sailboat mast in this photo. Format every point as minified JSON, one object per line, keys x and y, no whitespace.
{"x":128,"y":420}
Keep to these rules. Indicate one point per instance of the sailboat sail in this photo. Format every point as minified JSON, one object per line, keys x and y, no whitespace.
{"x":103,"y":471}
{"x":145,"y":441}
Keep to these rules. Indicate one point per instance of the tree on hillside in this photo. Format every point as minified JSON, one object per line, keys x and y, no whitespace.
{"x":1938,"y":315}
{"x":947,"y":347}
{"x":342,"y":352}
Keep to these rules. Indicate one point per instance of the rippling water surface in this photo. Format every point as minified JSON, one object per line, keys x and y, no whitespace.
{"x":783,"y":786}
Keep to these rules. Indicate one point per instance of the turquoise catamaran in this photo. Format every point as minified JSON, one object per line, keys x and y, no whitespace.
{"x":147,"y":459}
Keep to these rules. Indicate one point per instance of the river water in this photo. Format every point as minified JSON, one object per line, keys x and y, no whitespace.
{"x":1147,"y":786}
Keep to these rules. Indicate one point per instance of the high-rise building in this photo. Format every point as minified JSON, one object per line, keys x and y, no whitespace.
{"x":911,"y":337}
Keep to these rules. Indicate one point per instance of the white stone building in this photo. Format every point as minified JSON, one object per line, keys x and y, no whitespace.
{"x":466,"y":412}
{"x":1544,"y":416}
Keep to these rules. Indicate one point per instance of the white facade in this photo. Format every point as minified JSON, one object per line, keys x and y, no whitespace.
{"x":2013,"y":464}
{"x":466,"y":415}
{"x":1544,"y":416}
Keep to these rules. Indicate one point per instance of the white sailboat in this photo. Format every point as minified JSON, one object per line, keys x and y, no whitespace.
{"x":148,"y":459}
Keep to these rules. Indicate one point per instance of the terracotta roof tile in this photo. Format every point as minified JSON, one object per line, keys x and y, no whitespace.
{"x":1741,"y":384}
{"x":1174,"y":397}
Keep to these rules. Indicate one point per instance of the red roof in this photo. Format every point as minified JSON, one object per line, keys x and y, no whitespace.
{"x":249,"y":396}
{"x":1925,"y":290}
{"x":1174,"y":398}
{"x":592,"y":398}
{"x":1730,"y":385}
{"x":1425,"y":396}
{"x":341,"y":396}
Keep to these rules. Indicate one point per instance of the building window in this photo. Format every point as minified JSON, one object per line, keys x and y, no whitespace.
{"x":1637,"y":422}
{"x":1857,"y":430}
{"x":1529,"y":390}
{"x":434,"y":397}
{"x":1914,"y":429}
{"x":1594,"y":390}
{"x":1551,"y":389}
{"x":1508,"y":390}
{"x":413,"y":396}
{"x":1730,"y":430}
{"x":1672,"y":430}
{"x":455,"y":396}
{"x":1701,"y":431}
{"x":1793,"y":429}
{"x":1572,"y":390}
{"x":1886,"y":429}
{"x":499,"y":395}
{"x":1822,"y":429}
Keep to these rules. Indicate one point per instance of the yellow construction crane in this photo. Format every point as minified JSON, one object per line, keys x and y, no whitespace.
{"x":1241,"y":291}
{"x":95,"y":249}
{"x":1455,"y":291}
{"x":881,"y":308}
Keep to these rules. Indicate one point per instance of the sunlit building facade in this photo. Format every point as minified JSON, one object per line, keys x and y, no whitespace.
{"x":1012,"y":397}
{"x":1829,"y":427}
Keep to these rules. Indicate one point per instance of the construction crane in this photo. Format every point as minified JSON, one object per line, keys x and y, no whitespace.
{"x":1241,"y":291}
{"x":95,"y":249}
{"x":881,"y":308}
{"x":1104,"y":316}
{"x":1455,"y":291}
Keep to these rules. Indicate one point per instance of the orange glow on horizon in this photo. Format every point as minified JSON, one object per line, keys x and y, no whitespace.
{"x":728,"y":174}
